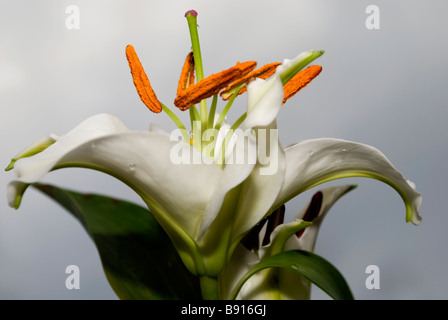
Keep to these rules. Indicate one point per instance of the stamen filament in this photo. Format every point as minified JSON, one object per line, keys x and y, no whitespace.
{"x":194,"y":115}
{"x":226,"y":140}
{"x":211,"y":116}
{"x":226,"y":109}
{"x":239,"y":121}
{"x":177,"y":121}
{"x":196,"y":135}
{"x":203,"y":114}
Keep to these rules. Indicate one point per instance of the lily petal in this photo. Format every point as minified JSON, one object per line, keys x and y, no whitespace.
{"x":141,"y":160}
{"x":235,"y":171}
{"x":312,"y":162}
{"x":31,"y":169}
{"x":264,"y":100}
{"x":36,"y":147}
{"x":289,"y":68}
{"x":241,"y":262}
{"x":261,"y":188}
{"x":259,"y":191}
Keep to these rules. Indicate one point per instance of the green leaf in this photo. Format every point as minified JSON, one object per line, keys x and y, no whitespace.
{"x":309,"y":265}
{"x":138,"y":258}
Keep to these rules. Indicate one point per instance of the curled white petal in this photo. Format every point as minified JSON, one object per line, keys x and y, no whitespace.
{"x":312,"y":162}
{"x":264,"y":100}
{"x":290,"y":63}
{"x":33,"y":168}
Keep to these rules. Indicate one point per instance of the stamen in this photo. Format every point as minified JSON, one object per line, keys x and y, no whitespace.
{"x":211,"y":85}
{"x":263,"y":73}
{"x":141,"y":81}
{"x":300,"y":81}
{"x":246,"y":67}
{"x":312,"y":212}
{"x":187,"y":74}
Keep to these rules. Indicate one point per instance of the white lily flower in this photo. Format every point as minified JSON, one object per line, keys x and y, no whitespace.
{"x":187,"y":198}
{"x":207,"y":206}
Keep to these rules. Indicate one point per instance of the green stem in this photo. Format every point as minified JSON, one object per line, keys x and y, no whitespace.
{"x":209,"y":288}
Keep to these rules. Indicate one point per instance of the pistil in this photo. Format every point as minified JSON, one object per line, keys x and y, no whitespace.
{"x":191,"y":16}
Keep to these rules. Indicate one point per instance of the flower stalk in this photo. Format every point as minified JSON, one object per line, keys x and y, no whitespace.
{"x":209,"y":288}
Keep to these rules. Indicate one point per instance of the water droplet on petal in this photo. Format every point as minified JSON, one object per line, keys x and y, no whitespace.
{"x":310,"y":152}
{"x":132,"y":167}
{"x":344,"y":149}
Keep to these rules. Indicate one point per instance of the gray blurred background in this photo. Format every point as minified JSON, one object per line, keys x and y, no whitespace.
{"x":385,"y":87}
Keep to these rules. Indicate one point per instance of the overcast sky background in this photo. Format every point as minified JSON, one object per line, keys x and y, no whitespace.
{"x":385,"y":88}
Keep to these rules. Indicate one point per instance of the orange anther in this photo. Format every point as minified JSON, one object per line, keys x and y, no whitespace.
{"x":187,"y":74}
{"x":141,"y":81}
{"x":211,"y":85}
{"x":263,"y":73}
{"x":300,"y":81}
